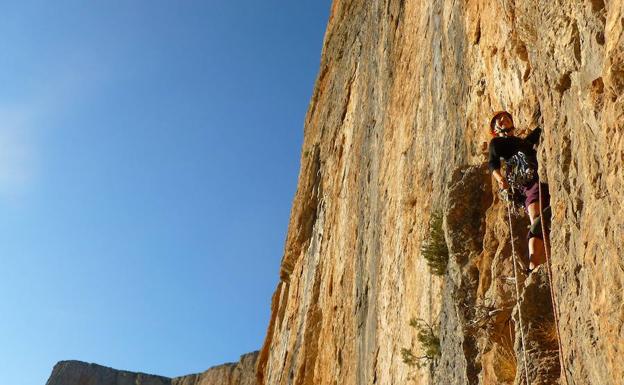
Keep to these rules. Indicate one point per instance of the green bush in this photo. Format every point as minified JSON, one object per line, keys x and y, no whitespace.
{"x":429,"y":345}
{"x":434,"y":248}
{"x":409,"y":357}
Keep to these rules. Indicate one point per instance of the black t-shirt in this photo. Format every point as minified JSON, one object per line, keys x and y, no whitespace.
{"x":507,"y":146}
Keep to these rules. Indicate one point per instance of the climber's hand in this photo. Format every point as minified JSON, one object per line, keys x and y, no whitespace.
{"x":503,"y":184}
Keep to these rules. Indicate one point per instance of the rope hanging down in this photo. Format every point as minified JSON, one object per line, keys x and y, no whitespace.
{"x":553,"y":298}
{"x":514,"y":258}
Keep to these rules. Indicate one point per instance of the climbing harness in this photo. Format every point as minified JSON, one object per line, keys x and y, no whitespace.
{"x":553,"y":298}
{"x":513,"y":254}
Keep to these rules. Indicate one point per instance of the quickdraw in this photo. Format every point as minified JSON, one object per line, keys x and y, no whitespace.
{"x":520,"y":170}
{"x":514,"y":199}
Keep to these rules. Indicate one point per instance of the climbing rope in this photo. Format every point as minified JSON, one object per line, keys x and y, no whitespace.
{"x":514,"y":258}
{"x":553,"y":298}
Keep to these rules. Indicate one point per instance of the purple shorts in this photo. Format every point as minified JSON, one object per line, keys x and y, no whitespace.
{"x":531,"y":194}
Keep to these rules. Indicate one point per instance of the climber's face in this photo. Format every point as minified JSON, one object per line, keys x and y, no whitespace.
{"x":504,"y":123}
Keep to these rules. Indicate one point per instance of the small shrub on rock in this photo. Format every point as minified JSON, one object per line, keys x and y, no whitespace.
{"x":429,"y":345}
{"x":434,"y":248}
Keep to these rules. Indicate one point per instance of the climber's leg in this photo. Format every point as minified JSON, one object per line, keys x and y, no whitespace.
{"x":535,"y":236}
{"x":533,"y":209}
{"x":536,"y":252}
{"x":532,"y":199}
{"x":536,"y":226}
{"x":536,"y":241}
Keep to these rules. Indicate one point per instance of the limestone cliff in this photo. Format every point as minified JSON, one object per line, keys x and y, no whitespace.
{"x":81,"y":373}
{"x":396,"y":128}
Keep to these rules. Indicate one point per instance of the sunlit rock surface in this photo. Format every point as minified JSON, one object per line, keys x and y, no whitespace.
{"x":397,"y":128}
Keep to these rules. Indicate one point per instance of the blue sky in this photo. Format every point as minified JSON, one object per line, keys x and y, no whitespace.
{"x":149,"y":153}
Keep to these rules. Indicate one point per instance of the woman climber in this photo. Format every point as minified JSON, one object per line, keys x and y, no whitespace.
{"x":520,"y":177}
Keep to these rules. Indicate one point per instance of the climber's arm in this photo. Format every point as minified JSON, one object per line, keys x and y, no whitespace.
{"x":494,"y":164}
{"x":502,"y":182}
{"x":534,"y":136}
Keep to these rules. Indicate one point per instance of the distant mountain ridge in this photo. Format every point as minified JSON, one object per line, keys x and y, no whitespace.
{"x":82,"y":373}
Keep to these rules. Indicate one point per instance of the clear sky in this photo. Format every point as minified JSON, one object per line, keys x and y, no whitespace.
{"x":149,"y":153}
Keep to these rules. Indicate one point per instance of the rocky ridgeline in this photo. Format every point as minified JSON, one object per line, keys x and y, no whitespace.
{"x":81,"y":373}
{"x":396,"y":130}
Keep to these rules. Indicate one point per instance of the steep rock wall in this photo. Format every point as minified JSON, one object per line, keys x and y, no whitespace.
{"x":81,"y":373}
{"x":405,"y":91}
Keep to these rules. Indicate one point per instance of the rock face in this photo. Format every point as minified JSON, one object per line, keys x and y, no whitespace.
{"x":240,"y":373}
{"x":81,"y":373}
{"x":396,"y":129}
